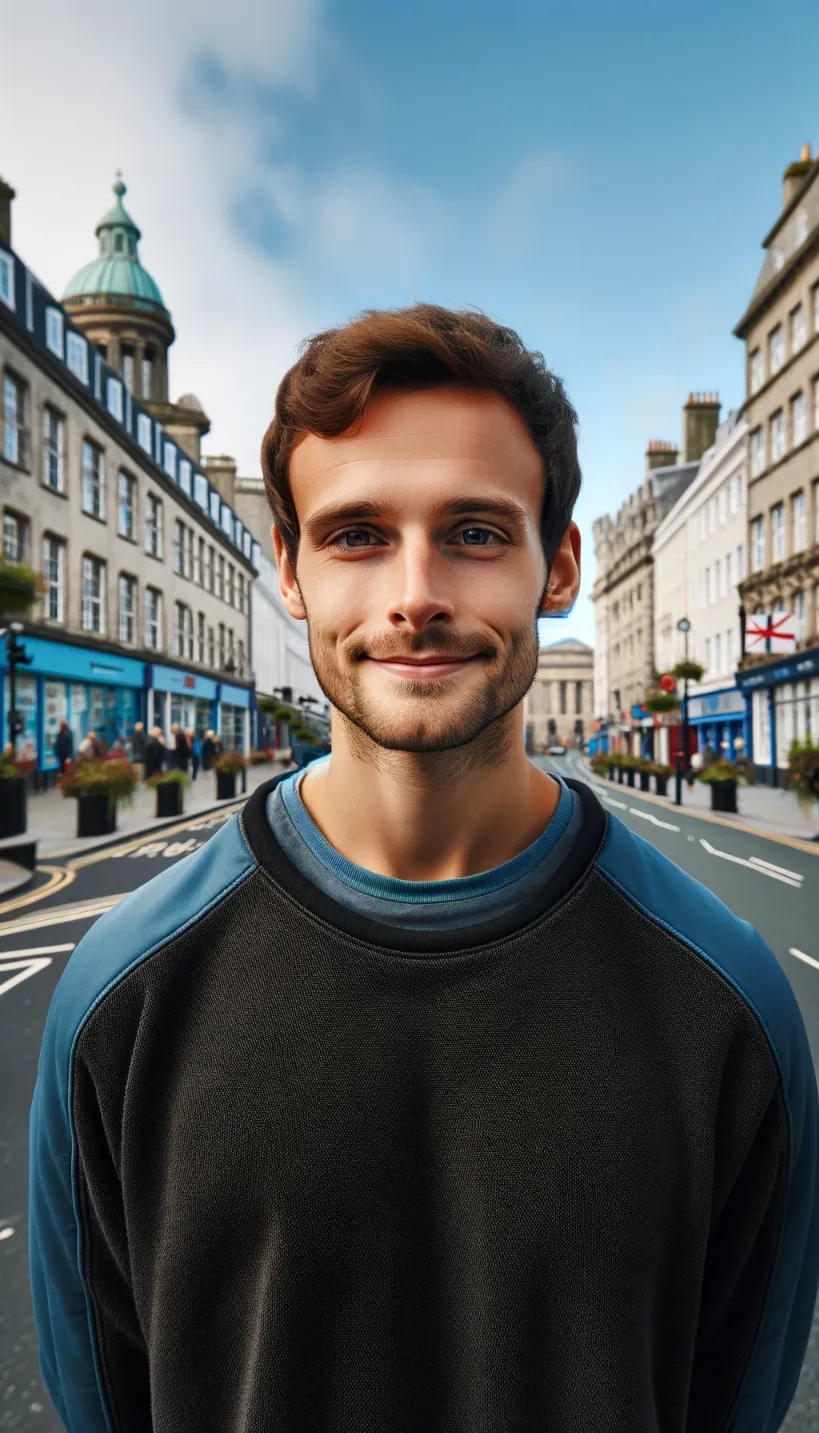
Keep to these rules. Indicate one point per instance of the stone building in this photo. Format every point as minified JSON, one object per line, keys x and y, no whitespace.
{"x":148,"y":571}
{"x":623,"y":592}
{"x":780,"y":330}
{"x":559,"y":706}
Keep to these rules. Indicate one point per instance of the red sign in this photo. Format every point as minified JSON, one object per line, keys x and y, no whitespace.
{"x":667,"y":683}
{"x":190,"y":683}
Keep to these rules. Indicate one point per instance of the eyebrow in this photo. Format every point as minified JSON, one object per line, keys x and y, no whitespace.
{"x":499,"y":507}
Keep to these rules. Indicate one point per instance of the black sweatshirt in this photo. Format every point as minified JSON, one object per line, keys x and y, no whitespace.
{"x":296,"y":1170}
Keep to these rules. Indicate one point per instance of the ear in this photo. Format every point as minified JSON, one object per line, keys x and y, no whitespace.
{"x":288,"y":586}
{"x":564,"y":576}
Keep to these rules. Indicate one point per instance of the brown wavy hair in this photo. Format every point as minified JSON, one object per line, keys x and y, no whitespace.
{"x":425,"y":346}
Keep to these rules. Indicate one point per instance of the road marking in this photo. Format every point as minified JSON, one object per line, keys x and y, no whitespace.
{"x":83,"y":910}
{"x":611,"y":801}
{"x":800,"y":954}
{"x":783,"y":870}
{"x":59,"y":878}
{"x":190,"y":823}
{"x":751,"y":865}
{"x":26,"y":968}
{"x":646,"y":815}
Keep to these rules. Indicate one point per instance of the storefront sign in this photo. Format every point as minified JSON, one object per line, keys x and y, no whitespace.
{"x":806,"y":664}
{"x":172,"y":679}
{"x":708,"y":704}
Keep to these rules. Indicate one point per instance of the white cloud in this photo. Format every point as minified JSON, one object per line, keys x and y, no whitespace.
{"x":520,"y":209}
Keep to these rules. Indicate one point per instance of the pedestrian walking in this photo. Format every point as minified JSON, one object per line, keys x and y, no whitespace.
{"x":208,"y":750}
{"x":154,"y":753}
{"x":180,"y":750}
{"x":195,"y":743}
{"x":64,"y":745}
{"x":89,"y":746}
{"x":425,"y":1093}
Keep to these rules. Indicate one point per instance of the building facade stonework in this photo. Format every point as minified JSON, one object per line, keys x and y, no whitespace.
{"x":780,"y":330}
{"x":559,"y":706}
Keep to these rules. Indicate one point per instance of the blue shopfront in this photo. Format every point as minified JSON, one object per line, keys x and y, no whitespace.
{"x":93,"y":691}
{"x":197,"y":703}
{"x":783,"y":696}
{"x":721,"y":718}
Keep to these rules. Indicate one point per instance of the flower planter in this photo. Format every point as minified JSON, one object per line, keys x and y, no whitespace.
{"x":724,"y":796}
{"x":169,"y":799}
{"x":645,"y":777}
{"x":96,"y":815}
{"x":621,"y":775}
{"x":630,"y":776}
{"x":612,"y":770}
{"x":662,"y":785}
{"x":12,"y":806}
{"x":225,"y":785}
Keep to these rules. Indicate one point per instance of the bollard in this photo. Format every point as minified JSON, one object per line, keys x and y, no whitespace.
{"x":678,"y":779}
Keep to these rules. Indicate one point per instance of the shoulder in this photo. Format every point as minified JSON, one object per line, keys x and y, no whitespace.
{"x":666,"y":895}
{"x":142,"y":922}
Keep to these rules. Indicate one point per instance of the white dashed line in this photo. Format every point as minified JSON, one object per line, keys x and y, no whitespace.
{"x":646,"y":815}
{"x":800,"y":954}
{"x":612,"y":802}
{"x":783,"y":871}
{"x":751,"y":865}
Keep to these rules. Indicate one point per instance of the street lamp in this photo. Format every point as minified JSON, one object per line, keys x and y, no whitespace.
{"x":684,"y":626}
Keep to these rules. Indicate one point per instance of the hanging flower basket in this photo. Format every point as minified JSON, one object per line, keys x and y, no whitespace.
{"x":662,"y":702}
{"x":19,"y":588}
{"x":688,"y":671}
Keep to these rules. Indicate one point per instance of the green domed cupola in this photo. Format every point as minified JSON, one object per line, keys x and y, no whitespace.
{"x":116,"y":273}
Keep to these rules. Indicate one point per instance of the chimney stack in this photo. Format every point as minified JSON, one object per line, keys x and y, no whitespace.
{"x":6,"y":196}
{"x":221,"y":471}
{"x":795,"y":174}
{"x":700,"y":420}
{"x":660,"y":454}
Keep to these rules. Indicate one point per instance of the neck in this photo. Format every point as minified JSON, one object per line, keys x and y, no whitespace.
{"x":391,"y":819}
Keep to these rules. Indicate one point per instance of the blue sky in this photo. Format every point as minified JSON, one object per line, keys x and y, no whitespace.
{"x":600,"y":177}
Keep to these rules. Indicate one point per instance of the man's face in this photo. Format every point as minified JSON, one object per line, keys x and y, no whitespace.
{"x":415,"y":580}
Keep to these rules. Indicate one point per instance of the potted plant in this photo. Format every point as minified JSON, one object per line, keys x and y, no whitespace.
{"x":723,"y":777}
{"x":803,"y":772}
{"x":644,"y":773}
{"x":661,"y":773}
{"x":12,"y":795}
{"x":612,"y":762}
{"x":19,"y":588}
{"x":97,"y":783}
{"x":169,"y":786}
{"x":630,"y":765}
{"x":688,"y":672}
{"x":227,"y":768}
{"x":599,"y":764}
{"x":662,"y":702}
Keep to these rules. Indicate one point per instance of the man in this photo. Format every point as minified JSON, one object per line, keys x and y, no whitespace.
{"x":180,"y":752}
{"x":64,"y":745}
{"x":155,"y":753}
{"x":425,"y":1094}
{"x":195,"y":744}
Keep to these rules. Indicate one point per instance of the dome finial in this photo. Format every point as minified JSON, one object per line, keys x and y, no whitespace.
{"x":119,"y":187}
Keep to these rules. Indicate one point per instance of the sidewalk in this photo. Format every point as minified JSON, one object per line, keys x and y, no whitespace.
{"x":770,"y":808}
{"x":52,"y":817}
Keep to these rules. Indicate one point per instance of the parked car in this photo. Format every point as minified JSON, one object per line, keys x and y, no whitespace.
{"x":555,"y":751}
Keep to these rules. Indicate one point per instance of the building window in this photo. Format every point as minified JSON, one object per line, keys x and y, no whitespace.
{"x":776,"y":343}
{"x":777,"y":436}
{"x":169,"y":460}
{"x":148,"y":374}
{"x":179,"y":630}
{"x":127,"y":608}
{"x":799,"y":419}
{"x":15,"y":421}
{"x":187,"y":552}
{"x":128,"y":368}
{"x":735,"y":489}
{"x":200,"y":490}
{"x":707,"y":654}
{"x":153,"y":619}
{"x":178,"y":529}
{"x":153,"y":526}
{"x":199,"y":562}
{"x":578,"y":698}
{"x":230,"y":587}
{"x":707,"y":585}
{"x":15,"y":537}
{"x":757,"y":370}
{"x":728,"y":561}
{"x":126,"y":509}
{"x":53,"y":449}
{"x":723,"y":504}
{"x":800,"y":522}
{"x":798,"y":327}
{"x":718,"y":653}
{"x":757,"y":453}
{"x":718,"y":579}
{"x":221,"y":645}
{"x":220,"y":577}
{"x":93,"y":481}
{"x":113,"y":398}
{"x":215,"y":502}
{"x":758,"y":544}
{"x":54,"y":331}
{"x":76,"y":356}
{"x":729,"y":648}
{"x":144,"y":432}
{"x":7,"y":280}
{"x":210,"y":566}
{"x":185,"y":476}
{"x":778,"y":532}
{"x":240,"y":591}
{"x":200,"y":638}
{"x":93,"y":595}
{"x":54,"y":578}
{"x":799,"y":616}
{"x":563,"y":697}
{"x":211,"y":649}
{"x":240,"y":658}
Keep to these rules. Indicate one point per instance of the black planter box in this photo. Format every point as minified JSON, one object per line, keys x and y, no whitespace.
{"x":724,"y":796}
{"x":169,"y":799}
{"x":612,"y":772}
{"x":645,"y":778}
{"x":662,"y":785}
{"x":12,"y":807}
{"x":630,"y":776}
{"x":621,"y":775}
{"x":96,"y":815}
{"x":225,"y":785}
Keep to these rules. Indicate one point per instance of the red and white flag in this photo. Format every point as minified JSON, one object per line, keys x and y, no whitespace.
{"x":779,"y":630}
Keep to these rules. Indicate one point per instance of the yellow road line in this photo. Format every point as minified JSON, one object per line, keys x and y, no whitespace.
{"x":59,"y":878}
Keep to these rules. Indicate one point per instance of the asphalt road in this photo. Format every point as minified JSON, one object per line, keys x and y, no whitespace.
{"x":771,"y":884}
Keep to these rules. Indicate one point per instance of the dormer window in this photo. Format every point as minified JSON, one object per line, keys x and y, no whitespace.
{"x":119,"y":243}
